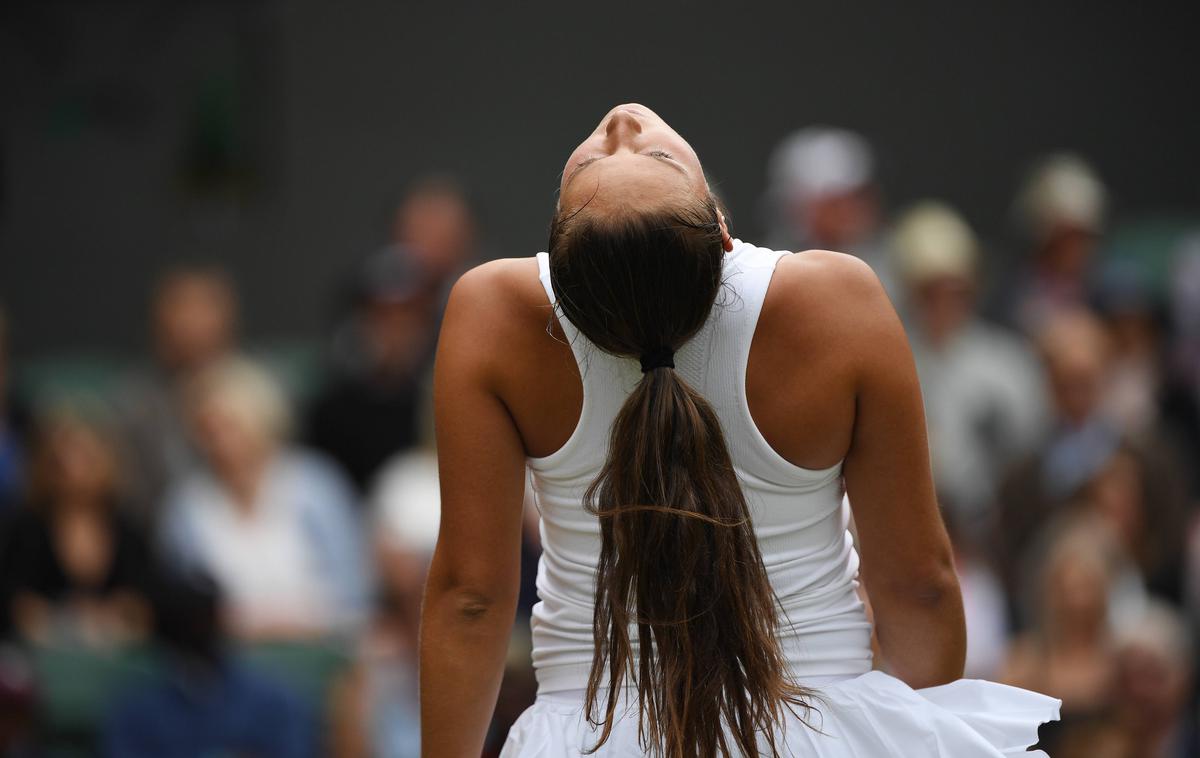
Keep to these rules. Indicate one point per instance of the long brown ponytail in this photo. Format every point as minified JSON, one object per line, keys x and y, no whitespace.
{"x":679,"y":560}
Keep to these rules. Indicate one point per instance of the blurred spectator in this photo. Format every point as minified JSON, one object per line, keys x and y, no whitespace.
{"x":369,"y":408}
{"x":377,"y":702}
{"x":1089,"y":462}
{"x":435,"y":222}
{"x":405,"y":503}
{"x":18,"y":704}
{"x":984,"y":391}
{"x":1191,"y":579}
{"x":1078,"y":574}
{"x":1061,"y":209}
{"x":193,"y":318}
{"x":1156,"y":665}
{"x":376,"y":710}
{"x":13,"y":424}
{"x":822,"y":194}
{"x":1099,"y":736}
{"x":275,"y":526}
{"x":205,"y":703}
{"x":1132,"y":319}
{"x":406,"y":512}
{"x":985,"y":608}
{"x":72,"y":565}
{"x":1117,"y":493}
{"x":1181,"y":395}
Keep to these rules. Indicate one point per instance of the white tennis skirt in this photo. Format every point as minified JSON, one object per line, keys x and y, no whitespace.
{"x":868,"y":716}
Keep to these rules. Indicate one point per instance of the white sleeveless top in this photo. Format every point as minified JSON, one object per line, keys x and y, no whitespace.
{"x":799,"y":514}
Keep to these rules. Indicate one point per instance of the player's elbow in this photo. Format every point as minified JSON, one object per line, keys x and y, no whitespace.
{"x":471,"y":606}
{"x":938,"y":590}
{"x":467,"y":608}
{"x":470,"y":597}
{"x":930,"y":586}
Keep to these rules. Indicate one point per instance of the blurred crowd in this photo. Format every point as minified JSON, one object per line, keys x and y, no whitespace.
{"x":205,"y":558}
{"x":1061,"y":387}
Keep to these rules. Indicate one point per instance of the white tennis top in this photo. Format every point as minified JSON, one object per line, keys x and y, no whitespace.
{"x":799,"y":514}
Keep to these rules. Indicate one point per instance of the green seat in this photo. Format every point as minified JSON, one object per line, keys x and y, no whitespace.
{"x":308,"y":668}
{"x":1151,"y":242}
{"x":77,"y":685}
{"x":52,"y":378}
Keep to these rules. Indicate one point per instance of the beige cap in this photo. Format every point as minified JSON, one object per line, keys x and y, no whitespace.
{"x":932,"y":240}
{"x":1062,"y":190}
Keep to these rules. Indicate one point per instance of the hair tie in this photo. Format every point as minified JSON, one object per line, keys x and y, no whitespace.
{"x":658,"y":357}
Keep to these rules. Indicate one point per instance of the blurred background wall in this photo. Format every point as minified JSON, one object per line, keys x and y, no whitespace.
{"x":275,"y":138}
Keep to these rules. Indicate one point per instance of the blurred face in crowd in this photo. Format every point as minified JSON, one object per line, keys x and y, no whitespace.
{"x":436,"y":224}
{"x":841,"y":220}
{"x":1117,"y":495}
{"x":1075,"y":378}
{"x":232,"y":439}
{"x":943,"y":304}
{"x":194,"y":315}
{"x":1134,"y":334}
{"x":630,"y":160}
{"x":1076,"y":354}
{"x":1076,"y":587}
{"x":397,"y":333}
{"x":1067,"y":250}
{"x":1154,"y":685}
{"x":73,"y":463}
{"x":239,"y":417}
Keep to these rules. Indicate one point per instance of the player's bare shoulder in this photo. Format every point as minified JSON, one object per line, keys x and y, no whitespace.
{"x":838,"y":292}
{"x":503,"y":288}
{"x":828,"y":274}
{"x":496,"y":302}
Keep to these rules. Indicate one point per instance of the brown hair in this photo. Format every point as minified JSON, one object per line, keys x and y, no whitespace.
{"x":679,"y":560}
{"x":72,"y":416}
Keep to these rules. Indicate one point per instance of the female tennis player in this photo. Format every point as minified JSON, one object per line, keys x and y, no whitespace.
{"x":692,"y":409}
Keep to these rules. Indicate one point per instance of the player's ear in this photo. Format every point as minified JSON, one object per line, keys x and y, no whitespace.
{"x":726,"y":240}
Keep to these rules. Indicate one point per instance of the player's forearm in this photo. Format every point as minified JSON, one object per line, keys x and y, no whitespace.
{"x":921,"y":631}
{"x":463,"y":644}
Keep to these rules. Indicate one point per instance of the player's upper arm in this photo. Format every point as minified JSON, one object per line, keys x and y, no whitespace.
{"x":481,"y":459}
{"x":887,"y":471}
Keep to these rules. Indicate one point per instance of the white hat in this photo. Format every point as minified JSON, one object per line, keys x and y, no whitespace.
{"x":406,"y":502}
{"x":821,"y":160}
